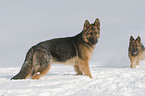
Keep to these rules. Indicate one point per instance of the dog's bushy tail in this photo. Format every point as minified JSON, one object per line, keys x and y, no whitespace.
{"x":24,"y":73}
{"x":26,"y":70}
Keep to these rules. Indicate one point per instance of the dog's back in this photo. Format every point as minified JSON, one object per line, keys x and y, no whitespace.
{"x":61,"y":49}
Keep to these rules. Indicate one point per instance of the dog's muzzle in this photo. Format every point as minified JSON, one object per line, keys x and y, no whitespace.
{"x":93,"y":41}
{"x":134,"y":52}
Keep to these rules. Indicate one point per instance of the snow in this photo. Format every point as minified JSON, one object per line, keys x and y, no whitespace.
{"x":62,"y":81}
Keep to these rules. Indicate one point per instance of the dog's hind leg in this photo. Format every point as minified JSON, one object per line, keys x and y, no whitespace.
{"x":42,"y":73}
{"x":77,"y":69}
{"x":41,"y":63}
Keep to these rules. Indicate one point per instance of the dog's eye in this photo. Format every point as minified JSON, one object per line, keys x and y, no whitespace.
{"x":96,"y":33}
{"x":90,"y":34}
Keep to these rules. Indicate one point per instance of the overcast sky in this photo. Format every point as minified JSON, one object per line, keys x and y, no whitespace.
{"x":24,"y":23}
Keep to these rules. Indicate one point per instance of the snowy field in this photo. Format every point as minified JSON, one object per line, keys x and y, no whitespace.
{"x":62,"y":81}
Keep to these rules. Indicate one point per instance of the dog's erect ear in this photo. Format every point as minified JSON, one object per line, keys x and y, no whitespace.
{"x":86,"y":25}
{"x":131,"y":38}
{"x":138,"y":39}
{"x":97,"y":23}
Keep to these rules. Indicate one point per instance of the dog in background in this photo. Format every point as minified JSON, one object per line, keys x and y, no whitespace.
{"x":136,"y":51}
{"x":76,"y":51}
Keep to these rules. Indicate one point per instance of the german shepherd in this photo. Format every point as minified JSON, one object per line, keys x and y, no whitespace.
{"x":136,"y":51}
{"x":76,"y":51}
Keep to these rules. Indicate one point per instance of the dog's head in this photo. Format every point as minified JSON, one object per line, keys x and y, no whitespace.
{"x":135,"y":46}
{"x":91,"y":32}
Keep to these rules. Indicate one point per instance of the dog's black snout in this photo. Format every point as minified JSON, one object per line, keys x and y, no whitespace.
{"x":134,"y":52}
{"x":93,"y":40}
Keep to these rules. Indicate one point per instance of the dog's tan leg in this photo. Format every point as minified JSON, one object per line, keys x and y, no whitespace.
{"x":133,"y":64}
{"x":78,"y":70}
{"x":42,"y":73}
{"x":28,"y":75}
{"x":84,"y":67}
{"x":137,"y":62}
{"x":133,"y":61}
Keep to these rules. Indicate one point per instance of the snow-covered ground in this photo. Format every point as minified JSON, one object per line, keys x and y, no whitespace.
{"x":62,"y":81}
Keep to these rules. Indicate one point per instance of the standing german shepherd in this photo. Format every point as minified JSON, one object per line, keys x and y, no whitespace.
{"x":136,"y":51}
{"x":76,"y":51}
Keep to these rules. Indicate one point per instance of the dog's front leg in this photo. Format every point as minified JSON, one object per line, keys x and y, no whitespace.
{"x":133,"y":64}
{"x":84,"y":67}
